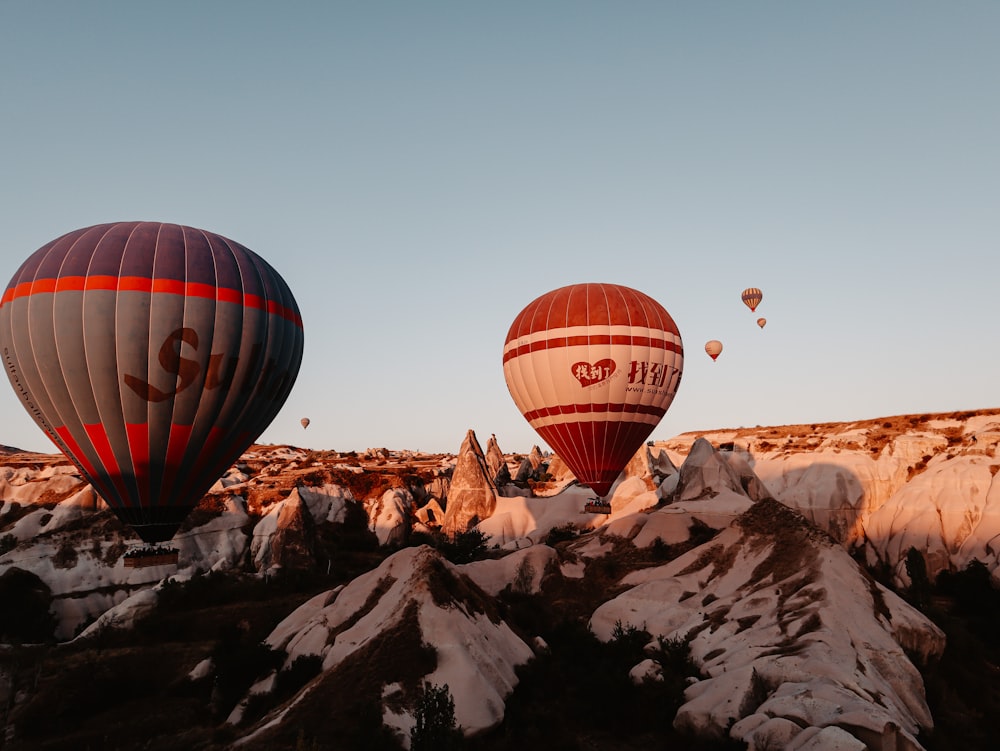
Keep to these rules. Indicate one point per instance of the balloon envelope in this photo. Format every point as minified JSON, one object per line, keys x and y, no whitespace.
{"x":305,"y":422}
{"x":152,"y":355}
{"x":593,"y":368}
{"x":762,"y":322}
{"x":751,"y":297}
{"x":713,"y":348}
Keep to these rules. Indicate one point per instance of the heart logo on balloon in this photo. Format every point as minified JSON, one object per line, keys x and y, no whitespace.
{"x":589,"y":374}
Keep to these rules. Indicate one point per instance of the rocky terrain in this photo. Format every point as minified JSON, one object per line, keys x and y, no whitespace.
{"x":773,"y":587}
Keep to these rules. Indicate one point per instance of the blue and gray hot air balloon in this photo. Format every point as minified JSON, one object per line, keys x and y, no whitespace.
{"x":152,"y":355}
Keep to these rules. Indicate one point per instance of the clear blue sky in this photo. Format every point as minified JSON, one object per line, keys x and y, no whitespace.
{"x":420,"y":171}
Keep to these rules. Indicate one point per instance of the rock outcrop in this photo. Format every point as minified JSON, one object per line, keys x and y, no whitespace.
{"x":652,"y":464}
{"x":293,"y":544}
{"x":496,"y":463}
{"x":472,"y":495}
{"x":426,"y":603}
{"x":389,"y":516}
{"x":532,"y":466}
{"x":788,"y":630}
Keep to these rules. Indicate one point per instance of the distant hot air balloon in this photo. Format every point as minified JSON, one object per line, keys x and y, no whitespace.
{"x":713,"y":348}
{"x":762,"y":322}
{"x":752,"y":297}
{"x":152,"y":355}
{"x":593,"y":368}
{"x":305,"y":422}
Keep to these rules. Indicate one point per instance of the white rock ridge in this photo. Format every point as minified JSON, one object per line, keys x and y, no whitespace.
{"x":476,"y":653}
{"x":785,"y":625}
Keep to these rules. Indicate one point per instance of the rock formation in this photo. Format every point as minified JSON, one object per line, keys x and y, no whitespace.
{"x":293,"y":544}
{"x":532,"y":466}
{"x":472,"y":495}
{"x":427,"y":603}
{"x":496,"y":462}
{"x":788,"y":630}
{"x":389,"y":516}
{"x":887,"y":484}
{"x":799,"y":648}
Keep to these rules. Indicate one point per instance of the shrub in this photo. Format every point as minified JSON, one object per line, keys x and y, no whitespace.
{"x":7,"y":543}
{"x":524,"y":577}
{"x":561,"y":534}
{"x":464,"y":547}
{"x":435,"y":728}
{"x":65,"y":556}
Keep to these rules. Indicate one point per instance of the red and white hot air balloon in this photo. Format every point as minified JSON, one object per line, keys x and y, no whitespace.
{"x":714,"y":348}
{"x":152,"y":355}
{"x":751,"y":297}
{"x":593,"y":368}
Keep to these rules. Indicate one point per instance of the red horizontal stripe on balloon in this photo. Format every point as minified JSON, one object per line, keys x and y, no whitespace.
{"x":98,"y":281}
{"x":69,"y":283}
{"x":578,"y":409}
{"x":624,"y":339}
{"x":43,"y":285}
{"x":168,"y":286}
{"x":225,"y":294}
{"x":145,"y":284}
{"x":134,"y":284}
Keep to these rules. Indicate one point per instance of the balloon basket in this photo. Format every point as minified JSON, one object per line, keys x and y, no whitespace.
{"x":597,"y":507}
{"x":150,"y":555}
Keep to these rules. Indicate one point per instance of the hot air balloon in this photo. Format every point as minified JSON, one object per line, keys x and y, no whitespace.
{"x":752,"y":297}
{"x":714,"y":348}
{"x":593,"y":368}
{"x":762,"y":322}
{"x":152,"y":355}
{"x":304,"y":422}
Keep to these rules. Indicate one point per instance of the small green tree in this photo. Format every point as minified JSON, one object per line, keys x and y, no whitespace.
{"x":464,"y":547}
{"x":524,"y":578}
{"x":435,"y":715}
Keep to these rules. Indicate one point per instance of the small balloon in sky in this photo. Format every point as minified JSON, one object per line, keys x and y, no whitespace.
{"x":714,"y":348}
{"x":304,"y":422}
{"x":752,"y":297}
{"x":762,"y":322}
{"x":152,"y":355}
{"x":593,"y":369}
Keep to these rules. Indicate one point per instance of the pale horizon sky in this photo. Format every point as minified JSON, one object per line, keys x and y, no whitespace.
{"x":419,"y":172}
